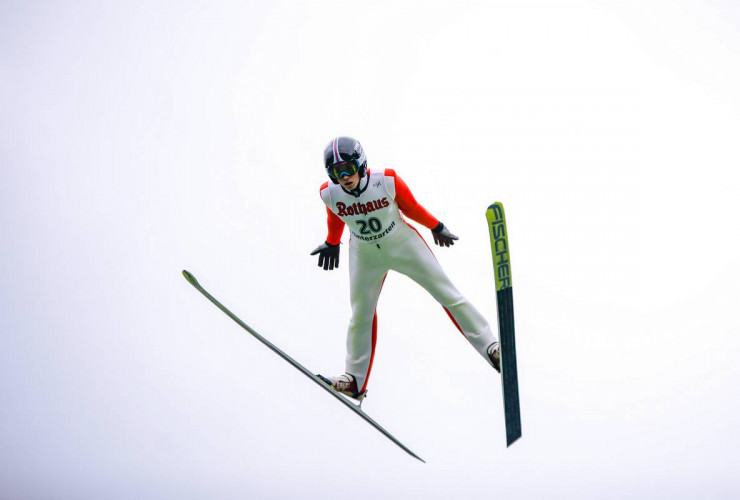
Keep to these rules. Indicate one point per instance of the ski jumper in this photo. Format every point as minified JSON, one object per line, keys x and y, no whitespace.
{"x":380,"y":241}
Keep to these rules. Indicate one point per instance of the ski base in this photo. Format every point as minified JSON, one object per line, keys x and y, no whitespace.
{"x":509,"y":377}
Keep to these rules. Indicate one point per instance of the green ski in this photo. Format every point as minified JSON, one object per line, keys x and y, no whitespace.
{"x":355,"y":408}
{"x":505,"y":306}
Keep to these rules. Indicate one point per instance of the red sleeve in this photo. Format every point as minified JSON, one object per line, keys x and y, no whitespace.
{"x":334,"y":224}
{"x":336,"y":227}
{"x":408,"y":204}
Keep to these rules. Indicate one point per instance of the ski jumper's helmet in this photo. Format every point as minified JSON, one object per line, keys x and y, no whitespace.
{"x":344,"y":156}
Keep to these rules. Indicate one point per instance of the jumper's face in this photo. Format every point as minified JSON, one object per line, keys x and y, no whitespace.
{"x":347,"y":172}
{"x":349,"y":182}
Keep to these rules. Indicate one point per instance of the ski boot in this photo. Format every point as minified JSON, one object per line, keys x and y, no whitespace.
{"x":344,"y":384}
{"x":494,"y":354}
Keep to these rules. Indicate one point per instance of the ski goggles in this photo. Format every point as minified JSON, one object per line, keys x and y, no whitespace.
{"x":347,"y":168}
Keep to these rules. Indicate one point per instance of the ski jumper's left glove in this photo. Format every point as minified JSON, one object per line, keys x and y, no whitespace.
{"x":442,"y":236}
{"x":328,"y":256}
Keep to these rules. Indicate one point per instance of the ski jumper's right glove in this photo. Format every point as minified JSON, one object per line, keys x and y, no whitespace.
{"x":442,"y":236}
{"x":328,"y":255}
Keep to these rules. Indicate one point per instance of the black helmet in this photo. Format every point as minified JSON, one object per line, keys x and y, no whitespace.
{"x":344,"y":152}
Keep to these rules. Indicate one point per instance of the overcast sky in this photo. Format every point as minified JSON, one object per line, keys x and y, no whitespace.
{"x":138,"y":139}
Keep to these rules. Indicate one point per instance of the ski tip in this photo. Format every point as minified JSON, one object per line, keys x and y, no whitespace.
{"x":189,"y":277}
{"x":494,"y":204}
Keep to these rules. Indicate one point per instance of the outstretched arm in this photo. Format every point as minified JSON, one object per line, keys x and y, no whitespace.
{"x":408,"y":204}
{"x":414,"y":211}
{"x":329,"y":250}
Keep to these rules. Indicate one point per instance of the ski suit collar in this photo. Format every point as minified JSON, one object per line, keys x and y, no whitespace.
{"x":356,"y":192}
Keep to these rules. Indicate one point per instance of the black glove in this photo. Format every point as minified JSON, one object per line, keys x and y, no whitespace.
{"x":442,"y":236}
{"x":328,"y":256}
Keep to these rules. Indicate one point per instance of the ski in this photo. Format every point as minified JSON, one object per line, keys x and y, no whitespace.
{"x":505,"y":306}
{"x":355,"y":408}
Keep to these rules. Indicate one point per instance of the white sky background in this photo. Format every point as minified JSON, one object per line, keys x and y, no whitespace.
{"x":138,"y":140}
